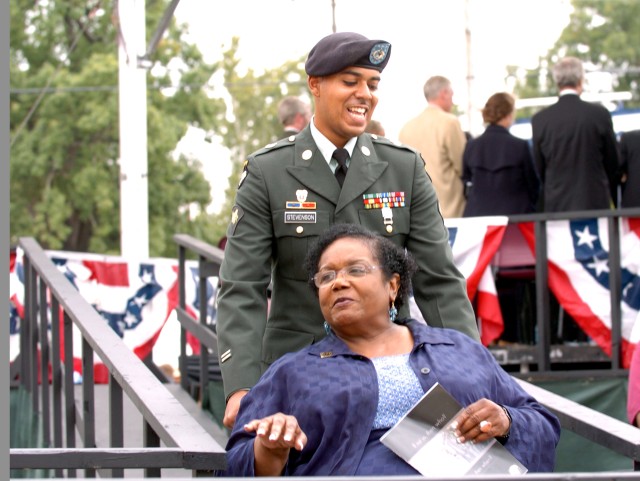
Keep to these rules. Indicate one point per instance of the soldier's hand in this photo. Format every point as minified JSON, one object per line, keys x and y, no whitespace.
{"x":233,"y":405}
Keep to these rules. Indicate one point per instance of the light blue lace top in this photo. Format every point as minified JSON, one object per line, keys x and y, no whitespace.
{"x":398,"y":389}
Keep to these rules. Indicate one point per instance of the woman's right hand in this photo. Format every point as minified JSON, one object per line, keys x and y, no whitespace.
{"x":278,"y":431}
{"x":275,"y":436}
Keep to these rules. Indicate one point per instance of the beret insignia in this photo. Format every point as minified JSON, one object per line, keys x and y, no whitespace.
{"x":378,"y":53}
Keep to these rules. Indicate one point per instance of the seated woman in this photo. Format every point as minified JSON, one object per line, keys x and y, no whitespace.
{"x":323,"y":409}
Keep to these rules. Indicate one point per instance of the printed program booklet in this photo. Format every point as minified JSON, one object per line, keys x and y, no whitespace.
{"x":425,"y":439}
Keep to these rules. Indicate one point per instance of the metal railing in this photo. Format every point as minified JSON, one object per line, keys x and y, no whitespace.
{"x":542,"y":354}
{"x":209,"y":262}
{"x":50,"y":296}
{"x":537,"y":359}
{"x":608,"y":476}
{"x":52,"y":303}
{"x":620,"y":437}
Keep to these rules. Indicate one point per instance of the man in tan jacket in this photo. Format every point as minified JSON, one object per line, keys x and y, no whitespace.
{"x":437,"y":135}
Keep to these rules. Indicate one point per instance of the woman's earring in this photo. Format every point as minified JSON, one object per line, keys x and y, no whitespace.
{"x":327,"y":329}
{"x":393,"y":312}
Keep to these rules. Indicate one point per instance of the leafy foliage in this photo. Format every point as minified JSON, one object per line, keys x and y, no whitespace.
{"x":606,"y":36}
{"x":64,"y":126}
{"x":252,"y":121}
{"x":64,"y":147}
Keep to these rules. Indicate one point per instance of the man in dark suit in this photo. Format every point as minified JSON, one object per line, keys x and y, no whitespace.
{"x":292,"y":190}
{"x":575,"y":151}
{"x":574,"y":147}
{"x":630,"y":168}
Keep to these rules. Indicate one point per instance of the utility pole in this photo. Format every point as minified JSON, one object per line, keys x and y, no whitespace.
{"x":132,"y":87}
{"x":333,"y":15}
{"x":467,"y":31}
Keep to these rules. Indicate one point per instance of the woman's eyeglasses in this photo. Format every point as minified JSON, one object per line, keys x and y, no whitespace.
{"x":326,"y":278}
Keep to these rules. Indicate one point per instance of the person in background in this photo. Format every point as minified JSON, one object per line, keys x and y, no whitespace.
{"x":294,"y":115}
{"x":576,"y":155}
{"x":294,"y":189}
{"x":575,"y":147}
{"x":436,"y":133}
{"x":500,"y":179}
{"x":323,"y":409}
{"x":375,"y":127}
{"x":498,"y":170}
{"x":630,"y":168}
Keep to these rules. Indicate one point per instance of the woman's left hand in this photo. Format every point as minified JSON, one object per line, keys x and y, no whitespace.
{"x":480,"y":421}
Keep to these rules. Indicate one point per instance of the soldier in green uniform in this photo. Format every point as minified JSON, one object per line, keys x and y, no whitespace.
{"x":288,"y":194}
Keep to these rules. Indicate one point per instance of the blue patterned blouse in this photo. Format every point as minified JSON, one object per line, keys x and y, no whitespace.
{"x":398,"y":389}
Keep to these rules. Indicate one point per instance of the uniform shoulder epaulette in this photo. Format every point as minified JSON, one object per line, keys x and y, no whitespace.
{"x":385,"y":141}
{"x":277,"y":145}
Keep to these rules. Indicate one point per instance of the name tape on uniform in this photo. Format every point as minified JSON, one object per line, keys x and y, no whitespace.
{"x":293,"y":217}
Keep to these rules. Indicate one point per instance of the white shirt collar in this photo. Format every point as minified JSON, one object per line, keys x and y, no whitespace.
{"x":325,"y":146}
{"x":568,"y":92}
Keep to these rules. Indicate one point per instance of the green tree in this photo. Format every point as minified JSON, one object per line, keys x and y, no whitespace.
{"x":252,"y":121}
{"x":605,"y":34}
{"x":64,"y":127}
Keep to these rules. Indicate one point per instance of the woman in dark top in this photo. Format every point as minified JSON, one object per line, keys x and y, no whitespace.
{"x":498,"y":169}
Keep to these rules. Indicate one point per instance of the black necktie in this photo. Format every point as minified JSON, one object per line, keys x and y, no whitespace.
{"x":341,"y":156}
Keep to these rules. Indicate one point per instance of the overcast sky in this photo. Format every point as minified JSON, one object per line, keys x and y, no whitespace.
{"x":427,"y":38}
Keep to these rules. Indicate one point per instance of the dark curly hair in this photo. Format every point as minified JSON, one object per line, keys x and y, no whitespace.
{"x":390,"y":257}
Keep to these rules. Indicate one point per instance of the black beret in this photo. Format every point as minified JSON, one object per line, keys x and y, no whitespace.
{"x":337,"y":51}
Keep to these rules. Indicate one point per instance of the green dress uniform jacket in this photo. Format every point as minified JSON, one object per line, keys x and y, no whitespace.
{"x":286,"y":197}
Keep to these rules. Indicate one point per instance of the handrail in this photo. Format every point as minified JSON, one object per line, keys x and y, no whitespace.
{"x":197,"y":246}
{"x":165,"y":419}
{"x":209,"y":262}
{"x":541,"y":354}
{"x":189,"y":446}
{"x":540,"y":220}
{"x":588,"y":423}
{"x":96,"y":458}
{"x":604,"y":476}
{"x":578,"y":214}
